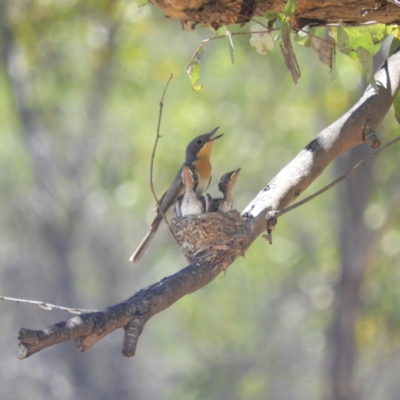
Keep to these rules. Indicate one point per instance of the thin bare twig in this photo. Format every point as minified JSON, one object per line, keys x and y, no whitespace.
{"x":333,"y":44}
{"x":47,"y":306}
{"x":158,"y":136}
{"x":336,"y":181}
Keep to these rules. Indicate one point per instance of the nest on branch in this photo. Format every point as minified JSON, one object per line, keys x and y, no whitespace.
{"x":215,"y":237}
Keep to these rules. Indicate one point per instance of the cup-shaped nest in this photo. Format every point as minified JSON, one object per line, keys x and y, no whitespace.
{"x":215,"y":237}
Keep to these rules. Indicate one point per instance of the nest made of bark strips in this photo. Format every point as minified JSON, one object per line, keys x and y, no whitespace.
{"x":214,"y":237}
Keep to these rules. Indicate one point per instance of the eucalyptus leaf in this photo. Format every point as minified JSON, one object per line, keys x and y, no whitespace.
{"x":365,"y":58}
{"x":193,"y":70}
{"x":342,"y":39}
{"x":290,"y":8}
{"x":304,"y":36}
{"x":379,"y":32}
{"x":368,"y":37}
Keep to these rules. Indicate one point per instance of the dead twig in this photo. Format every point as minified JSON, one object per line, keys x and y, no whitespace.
{"x":158,"y":136}
{"x":47,"y":306}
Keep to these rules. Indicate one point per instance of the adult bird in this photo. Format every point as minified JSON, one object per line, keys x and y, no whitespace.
{"x":197,"y":158}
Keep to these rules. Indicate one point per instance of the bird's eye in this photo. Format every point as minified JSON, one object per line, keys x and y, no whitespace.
{"x":199,"y":142}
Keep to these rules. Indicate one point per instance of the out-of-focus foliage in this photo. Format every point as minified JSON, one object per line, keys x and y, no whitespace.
{"x":75,"y":202}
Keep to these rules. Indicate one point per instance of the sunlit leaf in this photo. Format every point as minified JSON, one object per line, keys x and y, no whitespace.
{"x":396,"y":106}
{"x":395,"y":31}
{"x":260,"y":40}
{"x":290,"y":7}
{"x":379,"y":32}
{"x":365,"y":58}
{"x":349,"y":39}
{"x":193,"y":70}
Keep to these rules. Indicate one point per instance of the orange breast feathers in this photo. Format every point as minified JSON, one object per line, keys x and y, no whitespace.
{"x":203,"y":167}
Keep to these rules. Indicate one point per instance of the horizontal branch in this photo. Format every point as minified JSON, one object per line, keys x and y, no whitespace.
{"x":88,"y":329}
{"x":132,"y":314}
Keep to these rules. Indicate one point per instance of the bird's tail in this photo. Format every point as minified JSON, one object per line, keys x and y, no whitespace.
{"x":146,"y":242}
{"x":143,"y":246}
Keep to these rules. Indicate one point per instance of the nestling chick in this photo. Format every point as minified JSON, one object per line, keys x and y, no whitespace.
{"x":225,"y":186}
{"x":190,"y":202}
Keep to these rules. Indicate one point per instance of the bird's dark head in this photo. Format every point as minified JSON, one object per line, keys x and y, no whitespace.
{"x":201,"y":146}
{"x":228,"y":181}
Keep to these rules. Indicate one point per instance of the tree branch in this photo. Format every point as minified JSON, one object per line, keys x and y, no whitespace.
{"x":227,"y":12}
{"x":293,"y":179}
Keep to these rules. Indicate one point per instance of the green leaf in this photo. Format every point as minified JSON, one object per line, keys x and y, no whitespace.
{"x":394,"y":46}
{"x":396,"y":106}
{"x":231,"y":48}
{"x":285,"y":28}
{"x":342,"y":39}
{"x":193,"y":70}
{"x":379,"y":32}
{"x":270,"y":16}
{"x":303,"y":37}
{"x":365,"y":58}
{"x":395,"y":31}
{"x":348,"y":39}
{"x":142,"y":3}
{"x":221,"y":31}
{"x":290,"y":8}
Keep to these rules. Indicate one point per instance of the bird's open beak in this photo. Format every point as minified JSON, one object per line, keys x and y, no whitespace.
{"x":236,"y":172}
{"x":211,"y":138}
{"x":234,"y":176}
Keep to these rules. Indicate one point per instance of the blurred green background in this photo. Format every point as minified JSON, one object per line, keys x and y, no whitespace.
{"x":80,"y":85}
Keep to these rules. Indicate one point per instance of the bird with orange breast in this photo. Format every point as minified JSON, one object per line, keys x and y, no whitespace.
{"x":197,"y":158}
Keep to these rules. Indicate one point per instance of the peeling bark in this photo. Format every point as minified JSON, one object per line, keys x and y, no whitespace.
{"x":227,"y":12}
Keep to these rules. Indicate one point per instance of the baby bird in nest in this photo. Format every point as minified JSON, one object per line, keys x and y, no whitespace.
{"x":225,"y":186}
{"x":190,"y":202}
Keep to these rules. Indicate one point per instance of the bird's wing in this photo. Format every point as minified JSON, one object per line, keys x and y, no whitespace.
{"x":166,"y":201}
{"x":174,"y":191}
